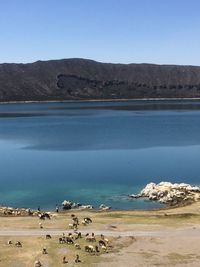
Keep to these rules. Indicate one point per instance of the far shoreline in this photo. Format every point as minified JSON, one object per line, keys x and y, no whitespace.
{"x":164,"y":207}
{"x":97,"y":100}
{"x":164,"y":210}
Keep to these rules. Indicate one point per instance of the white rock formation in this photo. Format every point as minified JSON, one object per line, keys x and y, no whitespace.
{"x":168,"y":193}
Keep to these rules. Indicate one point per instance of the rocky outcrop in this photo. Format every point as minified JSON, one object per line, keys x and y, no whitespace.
{"x":77,"y":79}
{"x":171,"y":194}
{"x":10,"y":211}
{"x":67,"y":205}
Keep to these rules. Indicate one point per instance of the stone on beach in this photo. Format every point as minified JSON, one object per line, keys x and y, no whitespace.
{"x":72,"y":205}
{"x":104,"y":207}
{"x":67,"y":205}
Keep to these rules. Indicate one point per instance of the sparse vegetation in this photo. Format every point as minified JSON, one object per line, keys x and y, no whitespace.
{"x":143,"y":248}
{"x":78,"y":79}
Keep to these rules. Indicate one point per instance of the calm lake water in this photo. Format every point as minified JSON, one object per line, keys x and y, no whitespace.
{"x":95,"y":153}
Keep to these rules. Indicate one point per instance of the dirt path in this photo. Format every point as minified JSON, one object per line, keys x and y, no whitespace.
{"x":186,"y":231}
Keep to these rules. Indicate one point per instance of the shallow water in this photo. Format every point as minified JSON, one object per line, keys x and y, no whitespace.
{"x":95,"y":153}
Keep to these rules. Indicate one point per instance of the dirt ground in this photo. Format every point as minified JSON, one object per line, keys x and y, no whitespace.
{"x":168,"y":237}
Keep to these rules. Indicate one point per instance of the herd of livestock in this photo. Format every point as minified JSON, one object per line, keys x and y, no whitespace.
{"x":92,"y":244}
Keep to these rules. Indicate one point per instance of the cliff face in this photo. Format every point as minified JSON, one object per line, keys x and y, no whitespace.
{"x":87,"y":79}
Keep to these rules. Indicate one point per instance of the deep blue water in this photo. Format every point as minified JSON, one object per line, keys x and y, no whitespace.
{"x":95,"y":153}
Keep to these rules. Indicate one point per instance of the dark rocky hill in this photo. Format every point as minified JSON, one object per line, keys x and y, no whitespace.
{"x":87,"y":79}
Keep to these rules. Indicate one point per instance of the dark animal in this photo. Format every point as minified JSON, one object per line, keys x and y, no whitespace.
{"x":102,"y":243}
{"x":69,"y":240}
{"x":88,"y":220}
{"x":78,"y":235}
{"x":44,"y":251}
{"x":77,"y":246}
{"x":18,"y":244}
{"x":43,"y":216}
{"x":97,"y":249}
{"x":64,"y":260}
{"x":77,"y":259}
{"x":105,"y":239}
{"x":47,"y":216}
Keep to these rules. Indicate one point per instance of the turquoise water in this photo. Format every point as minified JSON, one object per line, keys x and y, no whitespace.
{"x":95,"y":153}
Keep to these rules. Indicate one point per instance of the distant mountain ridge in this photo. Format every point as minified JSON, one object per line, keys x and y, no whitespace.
{"x":83,"y":79}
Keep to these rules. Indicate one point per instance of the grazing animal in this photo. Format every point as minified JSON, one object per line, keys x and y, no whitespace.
{"x":18,"y":244}
{"x":78,"y":235}
{"x":9,"y":242}
{"x":75,"y":219}
{"x":105,"y":239}
{"x":71,"y":226}
{"x":47,"y":216}
{"x":90,"y":239}
{"x":88,"y":220}
{"x":37,"y":264}
{"x":44,"y":251}
{"x":102,"y":243}
{"x":48,"y":236}
{"x":61,"y":240}
{"x":9,"y":212}
{"x":77,"y":259}
{"x":90,"y":249}
{"x":69,"y":240}
{"x":41,"y":216}
{"x":87,"y":248}
{"x":75,"y":226}
{"x":77,"y":246}
{"x":104,"y":248}
{"x":97,"y":249}
{"x":64,"y":260}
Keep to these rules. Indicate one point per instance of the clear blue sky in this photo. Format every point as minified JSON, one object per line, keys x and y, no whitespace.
{"x":152,"y":31}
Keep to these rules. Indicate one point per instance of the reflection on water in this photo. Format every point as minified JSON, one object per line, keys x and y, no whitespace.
{"x":95,"y":152}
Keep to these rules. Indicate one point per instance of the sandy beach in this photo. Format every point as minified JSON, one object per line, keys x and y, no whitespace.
{"x":167,"y":237}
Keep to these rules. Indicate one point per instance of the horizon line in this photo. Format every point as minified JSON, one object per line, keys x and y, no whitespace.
{"x":98,"y":61}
